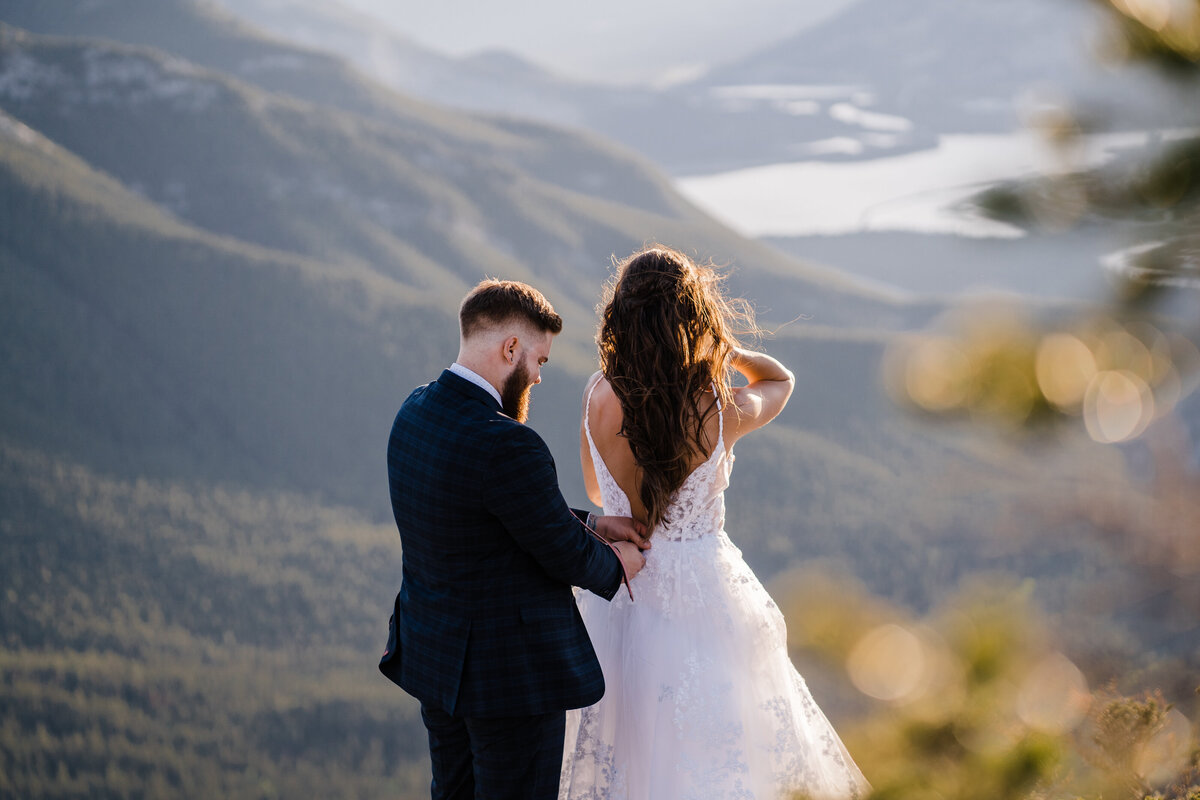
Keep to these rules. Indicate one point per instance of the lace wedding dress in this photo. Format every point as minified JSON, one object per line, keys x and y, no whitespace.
{"x":701,"y":698}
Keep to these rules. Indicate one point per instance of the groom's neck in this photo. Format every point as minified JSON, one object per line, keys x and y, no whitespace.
{"x":480,"y":367}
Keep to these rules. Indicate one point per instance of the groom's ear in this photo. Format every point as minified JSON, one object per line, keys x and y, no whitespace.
{"x":508,"y":349}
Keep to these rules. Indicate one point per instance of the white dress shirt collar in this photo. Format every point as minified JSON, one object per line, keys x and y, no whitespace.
{"x":475,"y":378}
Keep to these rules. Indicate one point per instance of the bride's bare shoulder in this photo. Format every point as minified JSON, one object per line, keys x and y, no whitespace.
{"x":597,"y":390}
{"x":600,"y":402}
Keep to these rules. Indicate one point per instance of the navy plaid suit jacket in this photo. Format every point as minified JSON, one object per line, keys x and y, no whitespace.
{"x":485,"y":624}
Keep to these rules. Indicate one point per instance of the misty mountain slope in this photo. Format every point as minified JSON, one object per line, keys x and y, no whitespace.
{"x":952,"y":66}
{"x":137,"y":345}
{"x":434,"y":210}
{"x":140,"y":345}
{"x":204,"y":34}
{"x":355,"y":241}
{"x":498,"y":82}
{"x":878,"y":77}
{"x":266,"y":408}
{"x":684,"y":130}
{"x":290,"y":318}
{"x":264,"y":169}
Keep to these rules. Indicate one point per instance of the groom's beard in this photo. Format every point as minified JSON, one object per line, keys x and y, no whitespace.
{"x":514,"y":394}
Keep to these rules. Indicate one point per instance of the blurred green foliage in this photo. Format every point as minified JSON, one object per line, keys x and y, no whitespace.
{"x":1156,"y":185}
{"x":975,"y":701}
{"x":1153,"y":192}
{"x":1122,"y":370}
{"x":1164,"y":31}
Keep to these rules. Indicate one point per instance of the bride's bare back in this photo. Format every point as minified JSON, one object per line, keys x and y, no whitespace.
{"x":605,"y":418}
{"x":753,"y":406}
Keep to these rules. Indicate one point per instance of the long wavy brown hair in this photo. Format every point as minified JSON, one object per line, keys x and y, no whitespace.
{"x":665,"y":338}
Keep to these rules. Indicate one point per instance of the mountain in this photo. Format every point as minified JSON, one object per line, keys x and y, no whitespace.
{"x":953,"y":67}
{"x":168,"y":628}
{"x":956,"y":66}
{"x":427,"y":209}
{"x":212,"y":300}
{"x":205,"y":35}
{"x":493,"y":81}
{"x":873,"y":79}
{"x":682,"y":130}
{"x":622,"y":42}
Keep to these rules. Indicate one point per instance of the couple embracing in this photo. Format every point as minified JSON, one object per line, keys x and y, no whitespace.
{"x":667,"y":676}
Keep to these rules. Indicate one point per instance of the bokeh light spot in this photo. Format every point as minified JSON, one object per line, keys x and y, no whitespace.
{"x":1165,"y":756}
{"x":1154,"y":14}
{"x":936,"y":375}
{"x":1054,"y":695}
{"x":1120,"y":349}
{"x":888,"y":663}
{"x":1118,"y":406}
{"x":1065,"y":367}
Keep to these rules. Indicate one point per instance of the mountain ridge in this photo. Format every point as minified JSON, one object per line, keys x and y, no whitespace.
{"x":566,"y":149}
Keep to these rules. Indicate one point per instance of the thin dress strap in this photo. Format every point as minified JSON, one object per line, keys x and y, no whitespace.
{"x":615,"y":499}
{"x":587,"y":411}
{"x":597,"y":460}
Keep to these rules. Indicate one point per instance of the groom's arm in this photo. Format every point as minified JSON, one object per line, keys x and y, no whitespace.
{"x":524,"y":495}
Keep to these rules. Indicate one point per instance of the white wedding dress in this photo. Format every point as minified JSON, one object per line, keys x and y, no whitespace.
{"x":701,"y":698}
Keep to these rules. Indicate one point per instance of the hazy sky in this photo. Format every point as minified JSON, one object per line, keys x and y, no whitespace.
{"x":617,"y":40}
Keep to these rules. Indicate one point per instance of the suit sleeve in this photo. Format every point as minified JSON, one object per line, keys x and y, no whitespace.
{"x":525,"y":497}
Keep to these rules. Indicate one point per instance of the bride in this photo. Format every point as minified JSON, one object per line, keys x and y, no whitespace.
{"x":701,"y":699}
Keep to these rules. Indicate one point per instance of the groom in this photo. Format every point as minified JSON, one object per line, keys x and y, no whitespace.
{"x":485,"y":631}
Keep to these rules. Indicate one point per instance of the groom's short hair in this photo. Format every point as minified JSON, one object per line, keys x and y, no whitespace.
{"x":493,"y":302}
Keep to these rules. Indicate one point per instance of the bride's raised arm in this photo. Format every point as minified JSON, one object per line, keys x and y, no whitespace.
{"x":760,"y":401}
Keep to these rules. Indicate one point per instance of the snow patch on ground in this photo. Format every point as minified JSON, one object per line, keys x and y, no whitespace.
{"x":837,"y":145}
{"x":873,"y":120}
{"x":278,"y":62}
{"x":22,"y":77}
{"x":119,"y":78}
{"x":783,"y":91}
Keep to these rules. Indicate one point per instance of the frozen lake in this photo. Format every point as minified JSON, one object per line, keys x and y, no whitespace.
{"x":917,"y":192}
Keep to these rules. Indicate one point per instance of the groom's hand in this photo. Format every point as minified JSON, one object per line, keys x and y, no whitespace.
{"x":623,"y":529}
{"x":631,"y":558}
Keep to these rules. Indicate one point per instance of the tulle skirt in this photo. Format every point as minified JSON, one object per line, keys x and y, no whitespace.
{"x":701,"y":698}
